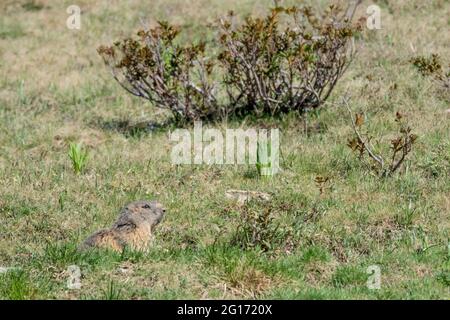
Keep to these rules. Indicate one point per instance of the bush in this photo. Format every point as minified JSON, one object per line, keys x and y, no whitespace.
{"x":432,"y":67}
{"x":427,"y":65}
{"x":258,"y":229}
{"x":289,"y":60}
{"x":170,"y":76}
{"x":400,"y":146}
{"x":272,"y":69}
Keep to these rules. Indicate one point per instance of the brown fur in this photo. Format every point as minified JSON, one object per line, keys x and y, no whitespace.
{"x":133,"y":228}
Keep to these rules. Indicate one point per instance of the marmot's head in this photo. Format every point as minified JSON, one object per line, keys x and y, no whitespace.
{"x":149,"y":211}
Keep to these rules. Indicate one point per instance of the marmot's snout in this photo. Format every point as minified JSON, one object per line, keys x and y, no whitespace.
{"x":159,"y":212}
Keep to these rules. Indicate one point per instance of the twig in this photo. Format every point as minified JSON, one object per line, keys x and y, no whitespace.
{"x":372,"y":154}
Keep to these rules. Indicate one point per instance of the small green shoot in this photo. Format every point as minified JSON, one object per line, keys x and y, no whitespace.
{"x":78,"y":156}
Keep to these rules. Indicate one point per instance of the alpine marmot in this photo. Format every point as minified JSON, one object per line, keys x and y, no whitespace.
{"x":133,"y":228}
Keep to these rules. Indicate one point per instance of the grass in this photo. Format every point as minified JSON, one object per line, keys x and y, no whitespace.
{"x":56,"y":91}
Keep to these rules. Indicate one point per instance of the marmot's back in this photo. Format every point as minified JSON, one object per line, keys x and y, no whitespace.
{"x":133,"y":228}
{"x":103,"y":239}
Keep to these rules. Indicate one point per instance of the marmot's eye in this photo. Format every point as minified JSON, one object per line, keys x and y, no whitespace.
{"x":146,"y":206}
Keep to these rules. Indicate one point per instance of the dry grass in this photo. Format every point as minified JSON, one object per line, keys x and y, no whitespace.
{"x":54,"y":90}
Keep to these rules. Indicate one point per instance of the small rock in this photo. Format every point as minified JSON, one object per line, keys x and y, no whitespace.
{"x":241,"y":196}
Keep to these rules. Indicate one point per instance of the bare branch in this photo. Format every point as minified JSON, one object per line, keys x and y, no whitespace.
{"x":365,"y":144}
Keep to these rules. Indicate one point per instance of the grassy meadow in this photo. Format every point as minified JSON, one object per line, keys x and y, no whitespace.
{"x":55,"y":90}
